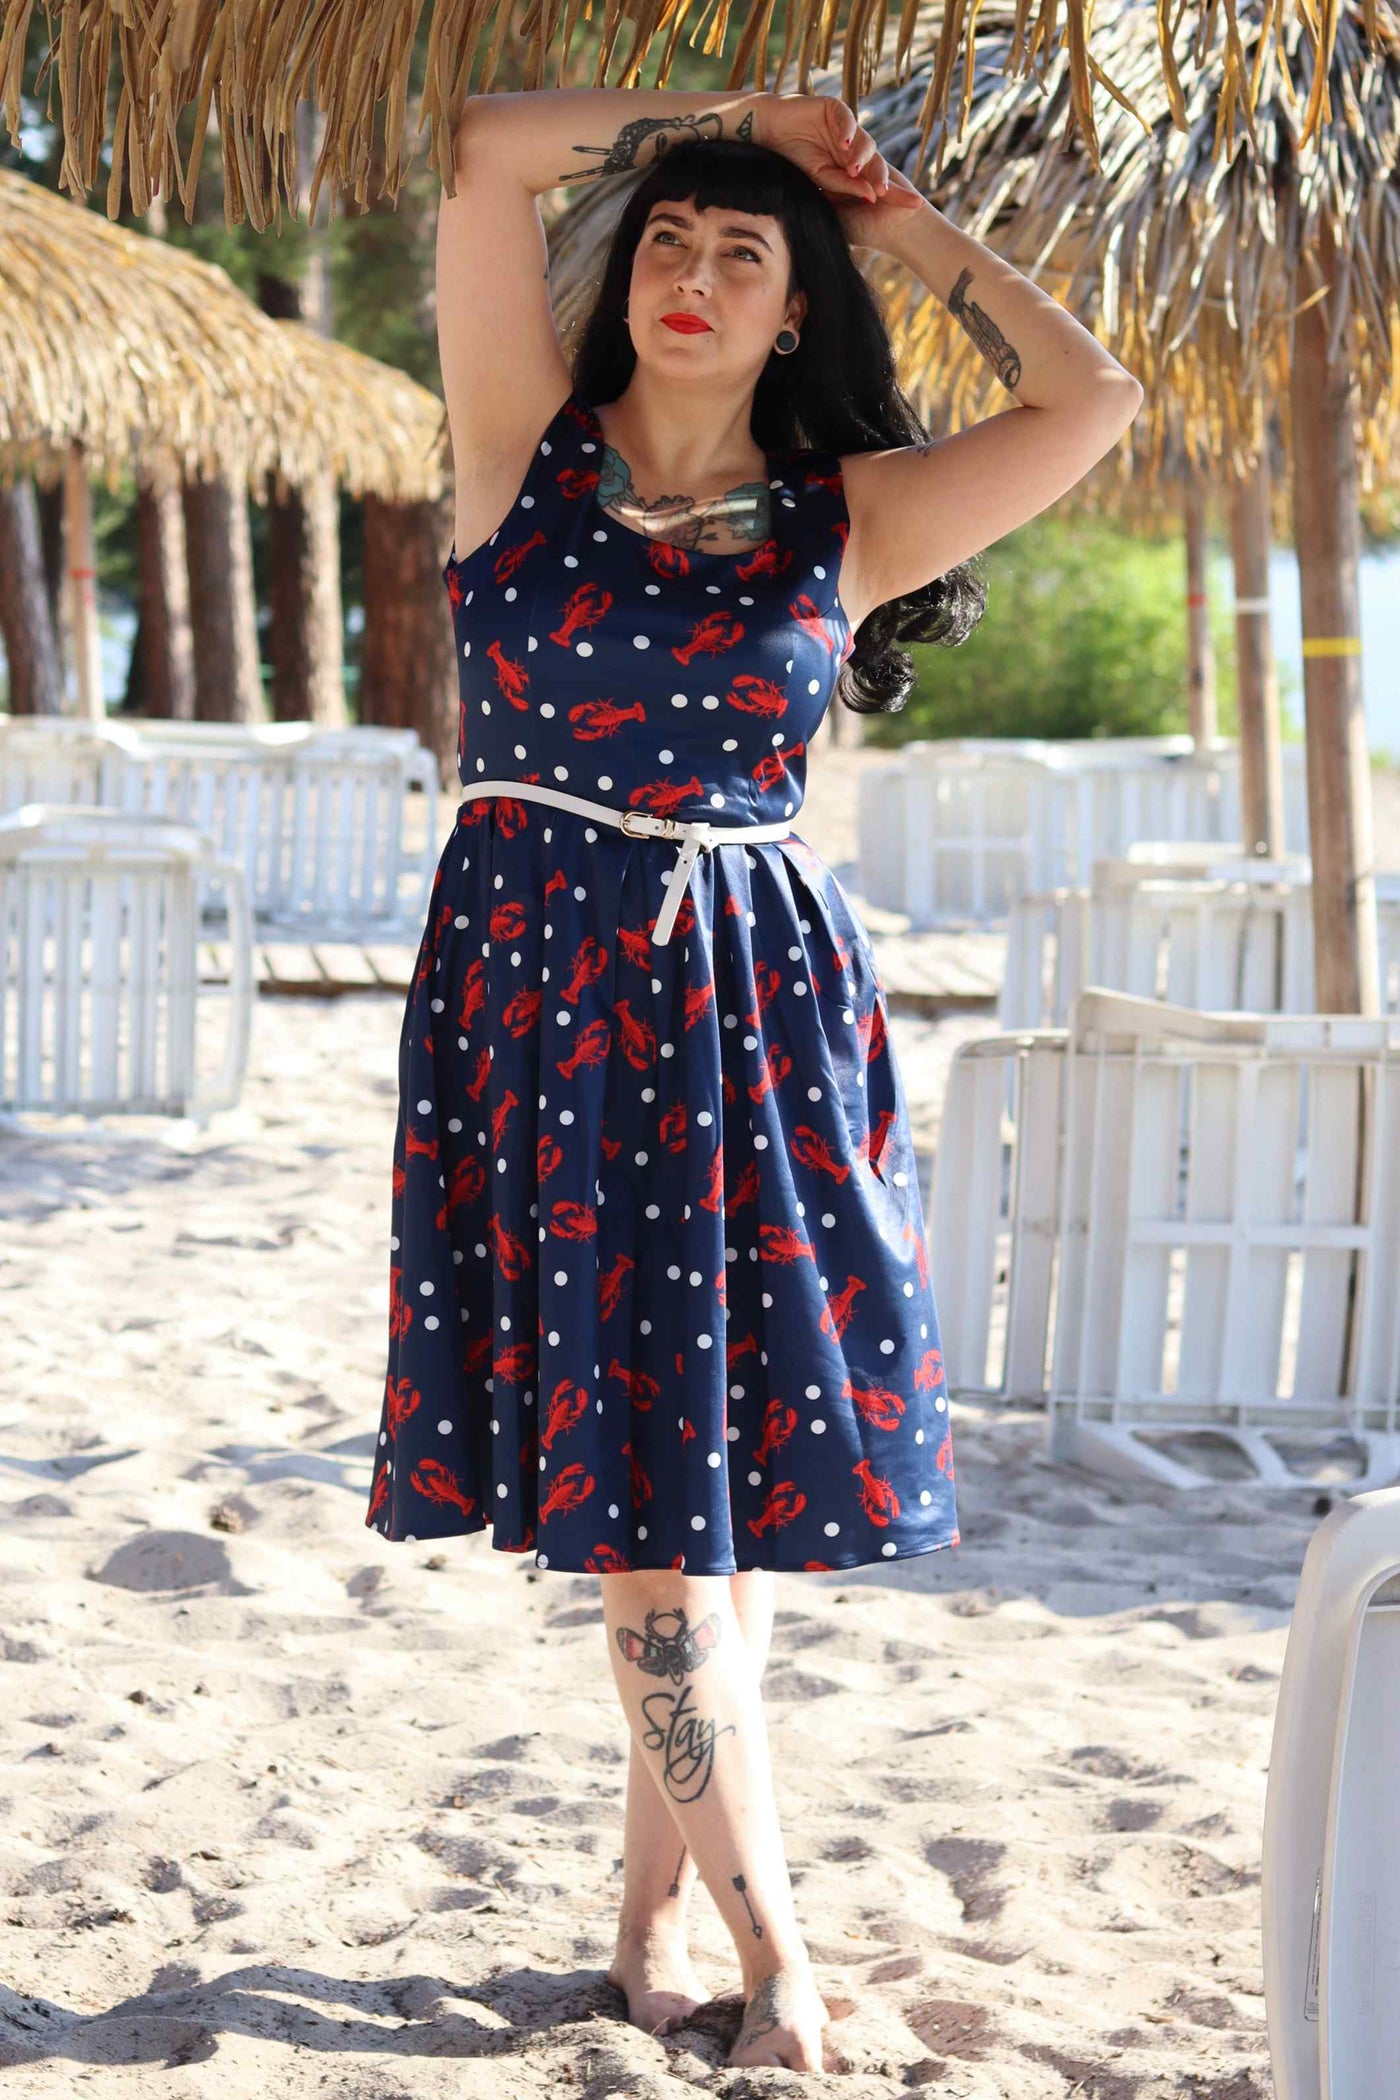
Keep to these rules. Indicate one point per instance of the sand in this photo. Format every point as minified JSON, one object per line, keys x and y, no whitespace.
{"x":290,"y":1809}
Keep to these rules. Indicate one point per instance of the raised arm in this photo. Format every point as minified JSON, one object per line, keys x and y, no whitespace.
{"x":504,"y":373}
{"x":919,"y":510}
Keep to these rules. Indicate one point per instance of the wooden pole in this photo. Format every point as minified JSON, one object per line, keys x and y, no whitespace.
{"x":1261,"y":745}
{"x":1327,"y":531}
{"x":1200,"y":655}
{"x":82,"y":586}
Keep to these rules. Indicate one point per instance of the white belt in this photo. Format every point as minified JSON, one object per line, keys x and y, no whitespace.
{"x":643,"y":824}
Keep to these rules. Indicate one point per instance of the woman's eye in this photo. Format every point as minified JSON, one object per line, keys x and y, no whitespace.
{"x":665,"y":234}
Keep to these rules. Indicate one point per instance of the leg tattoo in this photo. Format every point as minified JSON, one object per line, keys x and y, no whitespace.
{"x":675,"y":1888}
{"x":742,"y":1886}
{"x":983,"y":330}
{"x":685,"y":1738}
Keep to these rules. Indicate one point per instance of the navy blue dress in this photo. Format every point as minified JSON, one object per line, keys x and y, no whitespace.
{"x":659,"y":1286}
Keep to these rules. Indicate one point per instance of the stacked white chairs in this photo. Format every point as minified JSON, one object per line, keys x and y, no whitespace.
{"x":956,"y":831}
{"x":100,"y":994}
{"x":317,"y":818}
{"x":1196,"y":930}
{"x":1189,"y":1228}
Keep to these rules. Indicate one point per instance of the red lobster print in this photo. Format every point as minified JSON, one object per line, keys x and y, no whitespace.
{"x":590,"y":1049}
{"x":638,"y":1038}
{"x":714,"y":1181}
{"x":664,"y":797}
{"x":481,"y":1072}
{"x":379,"y":1492}
{"x":943,"y":1457}
{"x":610,"y":1286}
{"x":500,"y":1116}
{"x":399,"y":1178}
{"x":879,"y":1138}
{"x":400,"y":1311}
{"x":916,"y":1239}
{"x":508,"y":921}
{"x":548,"y":1154}
{"x":473,"y":994}
{"x":641,"y":1485}
{"x":635,"y":946}
{"x":436,"y":1482}
{"x":567,"y":1405}
{"x":837,"y":1312}
{"x":606,"y":1560}
{"x":767,"y":559}
{"x":477,"y":1355}
{"x":698,"y":1000}
{"x":512,"y":679}
{"x":783,"y":1243}
{"x":430,"y":944}
{"x":776,"y":1066}
{"x":583,"y":609}
{"x":511,"y":1253}
{"x":928,"y":1371}
{"x":509,"y":560}
{"x":589,"y":962}
{"x":812,"y":620}
{"x":641,"y":1388}
{"x":768,"y":982}
{"x":672,"y":1127}
{"x":757,"y":696}
{"x":812,"y":1149}
{"x":785,"y":1502}
{"x":779,"y":1423}
{"x":521,"y":1012}
{"x":514,"y":1365}
{"x":467,"y":1181}
{"x":609,"y":1146}
{"x":569,"y":1489}
{"x":876,"y":1404}
{"x":573,"y":1221}
{"x":419,"y":1148}
{"x":735,"y":1351}
{"x":770,"y":770}
{"x":596,"y":718}
{"x":745,"y":1190}
{"x":557,"y":881}
{"x":877,"y":1498}
{"x":712,"y":635}
{"x":401,"y":1401}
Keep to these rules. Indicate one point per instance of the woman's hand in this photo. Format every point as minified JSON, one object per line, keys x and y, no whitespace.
{"x":820,"y":134}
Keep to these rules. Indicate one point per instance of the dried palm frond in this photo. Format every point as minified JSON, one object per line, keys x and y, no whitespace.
{"x":257,"y":58}
{"x":149,"y":357}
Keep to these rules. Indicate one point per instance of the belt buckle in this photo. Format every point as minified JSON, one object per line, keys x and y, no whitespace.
{"x":668,"y":827}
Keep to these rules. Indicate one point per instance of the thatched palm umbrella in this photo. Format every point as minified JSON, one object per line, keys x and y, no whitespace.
{"x":1273,"y":278}
{"x":121,"y":354}
{"x":353,"y":59}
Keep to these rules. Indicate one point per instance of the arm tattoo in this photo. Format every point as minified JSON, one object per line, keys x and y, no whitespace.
{"x":984,"y":332}
{"x":621,"y":155}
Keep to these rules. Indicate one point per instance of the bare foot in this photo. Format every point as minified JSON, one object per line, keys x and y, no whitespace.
{"x":663,"y":1990}
{"x":783,"y":2022}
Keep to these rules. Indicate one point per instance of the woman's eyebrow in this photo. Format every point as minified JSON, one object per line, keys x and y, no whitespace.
{"x":672,"y":218}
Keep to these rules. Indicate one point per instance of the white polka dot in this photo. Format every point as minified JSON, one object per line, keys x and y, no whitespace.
{"x":444,"y":1429}
{"x":425,"y":1108}
{"x":425,"y":1290}
{"x":697,"y":1523}
{"x":889,"y":1549}
{"x":831,"y":1530}
{"x":818,"y":1426}
{"x":561,"y":1276}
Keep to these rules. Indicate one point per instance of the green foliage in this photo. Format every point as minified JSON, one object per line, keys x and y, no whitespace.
{"x":1084,"y":635}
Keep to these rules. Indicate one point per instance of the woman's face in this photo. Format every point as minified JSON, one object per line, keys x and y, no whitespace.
{"x":726,"y":267}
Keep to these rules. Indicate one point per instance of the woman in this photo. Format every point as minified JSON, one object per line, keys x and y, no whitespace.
{"x":659,"y":1287}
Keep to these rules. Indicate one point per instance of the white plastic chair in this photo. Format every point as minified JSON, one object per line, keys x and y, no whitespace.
{"x":100,"y":926}
{"x":1330,"y":1885}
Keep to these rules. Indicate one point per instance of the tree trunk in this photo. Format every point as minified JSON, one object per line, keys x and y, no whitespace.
{"x":80,"y":597}
{"x":228,"y":682}
{"x":1200,"y":654}
{"x":305,"y":638}
{"x":1261,"y":746}
{"x":1327,"y":532}
{"x":408,"y":677}
{"x":26,"y":621}
{"x":161,"y":681}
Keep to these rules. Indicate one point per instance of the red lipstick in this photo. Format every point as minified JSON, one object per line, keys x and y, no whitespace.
{"x":687,"y":324}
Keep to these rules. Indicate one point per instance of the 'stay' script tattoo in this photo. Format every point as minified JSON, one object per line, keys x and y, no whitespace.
{"x":687,"y":1742}
{"x":983,"y":330}
{"x":666,"y":132}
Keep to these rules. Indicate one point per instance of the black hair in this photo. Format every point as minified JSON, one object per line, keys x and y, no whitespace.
{"x":837,"y":392}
